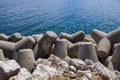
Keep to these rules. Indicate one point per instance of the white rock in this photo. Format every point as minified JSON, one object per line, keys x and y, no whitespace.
{"x":81,"y":73}
{"x":43,"y":61}
{"x":8,"y":69}
{"x":22,"y":75}
{"x":72,"y":68}
{"x":45,"y":71}
{"x":62,"y":66}
{"x":105,"y":71}
{"x":78,"y":64}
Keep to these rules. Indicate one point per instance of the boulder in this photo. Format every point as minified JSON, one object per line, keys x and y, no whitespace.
{"x":72,"y":68}
{"x":22,"y":75}
{"x":105,"y":72}
{"x":8,"y":68}
{"x":44,"y":71}
{"x":78,"y":64}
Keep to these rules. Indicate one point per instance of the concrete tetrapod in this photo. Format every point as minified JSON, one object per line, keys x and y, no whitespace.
{"x":15,"y":37}
{"x":87,"y":51}
{"x":26,"y":59}
{"x":2,"y":58}
{"x":44,"y":47}
{"x":8,"y":48}
{"x":98,"y":35}
{"x":114,"y":36}
{"x":76,"y":37}
{"x":60,"y":48}
{"x":25,"y":43}
{"x":104,"y":47}
{"x":73,"y":50}
{"x":115,"y":61}
{"x":88,"y":38}
{"x":3,"y":37}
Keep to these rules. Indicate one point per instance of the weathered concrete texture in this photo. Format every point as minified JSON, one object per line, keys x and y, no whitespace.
{"x":25,"y":43}
{"x":69,"y":44}
{"x":108,"y":60}
{"x":2,"y":58}
{"x":114,"y":36}
{"x":26,"y":59}
{"x":60,"y":48}
{"x":8,"y":48}
{"x":76,"y":37}
{"x":88,"y":38}
{"x":37,"y":37}
{"x":98,"y":35}
{"x":104,"y":47}
{"x":15,"y":37}
{"x":87,"y":51}
{"x":3,"y":37}
{"x":44,"y":46}
{"x":115,"y":61}
{"x":73,"y":50}
{"x":8,"y":68}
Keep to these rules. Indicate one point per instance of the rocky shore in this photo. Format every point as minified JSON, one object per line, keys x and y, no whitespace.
{"x":50,"y":56}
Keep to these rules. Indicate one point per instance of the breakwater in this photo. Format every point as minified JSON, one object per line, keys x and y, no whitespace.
{"x":73,"y":56}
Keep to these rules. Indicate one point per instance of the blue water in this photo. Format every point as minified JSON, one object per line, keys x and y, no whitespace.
{"x":38,"y":16}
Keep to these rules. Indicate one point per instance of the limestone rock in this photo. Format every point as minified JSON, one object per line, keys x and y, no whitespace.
{"x":8,"y":68}
{"x":78,"y":64}
{"x":44,"y":71}
{"x":22,"y":75}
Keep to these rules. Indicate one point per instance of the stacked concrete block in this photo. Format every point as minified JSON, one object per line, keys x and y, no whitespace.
{"x":3,"y":37}
{"x":45,"y":45}
{"x":60,"y":48}
{"x":15,"y":37}
{"x":104,"y":47}
{"x":87,"y":51}
{"x":114,"y":36}
{"x":8,"y":48}
{"x":25,"y":43}
{"x":98,"y":35}
{"x":115,"y":60}
{"x":2,"y":57}
{"x":73,"y":50}
{"x":26,"y":59}
{"x":76,"y":37}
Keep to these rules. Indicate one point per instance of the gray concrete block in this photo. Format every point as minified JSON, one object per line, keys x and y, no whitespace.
{"x":104,"y":47}
{"x":87,"y":51}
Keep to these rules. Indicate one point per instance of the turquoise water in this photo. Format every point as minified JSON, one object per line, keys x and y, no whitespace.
{"x":38,"y":16}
